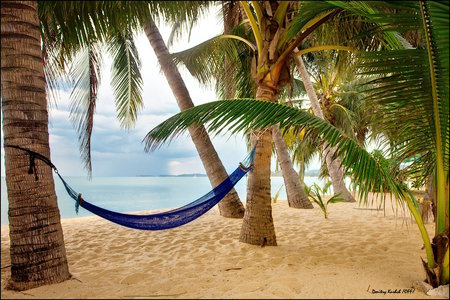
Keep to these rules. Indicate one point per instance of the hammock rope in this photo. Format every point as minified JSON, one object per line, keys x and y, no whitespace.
{"x":156,"y":221}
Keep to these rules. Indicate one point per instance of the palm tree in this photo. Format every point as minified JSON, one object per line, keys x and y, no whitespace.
{"x":275,"y":41}
{"x":277,"y":30}
{"x":339,"y":32}
{"x":230,"y":206}
{"x":38,"y":254}
{"x":234,"y":81}
{"x":127,"y":81}
{"x":333,"y":165}
{"x":412,"y":89}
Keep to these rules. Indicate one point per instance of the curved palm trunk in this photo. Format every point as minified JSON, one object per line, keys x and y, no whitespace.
{"x":294,"y":189}
{"x":333,"y":165}
{"x":257,"y":226}
{"x":230,"y":206}
{"x":38,"y":254}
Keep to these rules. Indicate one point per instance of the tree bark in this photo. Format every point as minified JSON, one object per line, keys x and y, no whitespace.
{"x":257,"y":226}
{"x":333,"y":165}
{"x":38,"y":254}
{"x":294,"y":189}
{"x":230,"y":206}
{"x":231,"y":19}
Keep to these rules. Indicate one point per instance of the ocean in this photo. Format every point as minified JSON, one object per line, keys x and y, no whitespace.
{"x":128,"y":194}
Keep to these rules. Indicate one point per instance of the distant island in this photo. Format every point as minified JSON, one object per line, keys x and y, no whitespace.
{"x":180,"y":175}
{"x":311,"y":173}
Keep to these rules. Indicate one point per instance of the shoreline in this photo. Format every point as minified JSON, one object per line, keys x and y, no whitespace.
{"x":356,"y":253}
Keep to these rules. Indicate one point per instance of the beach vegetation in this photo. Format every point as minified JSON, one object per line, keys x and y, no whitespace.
{"x":327,"y":187}
{"x":410,"y":91}
{"x":233,"y":79}
{"x":407,"y":92}
{"x":277,"y":194}
{"x":315,"y":193}
{"x":276,"y":31}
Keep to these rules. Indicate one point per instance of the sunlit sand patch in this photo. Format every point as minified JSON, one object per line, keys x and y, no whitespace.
{"x":346,"y":256}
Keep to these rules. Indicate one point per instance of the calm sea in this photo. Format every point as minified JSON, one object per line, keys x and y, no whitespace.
{"x":127,"y":194}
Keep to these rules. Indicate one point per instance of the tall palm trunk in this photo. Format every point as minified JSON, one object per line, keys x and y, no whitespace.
{"x":231,"y":18}
{"x":333,"y":165}
{"x":257,"y":226}
{"x":38,"y":254}
{"x":294,"y":189}
{"x":230,"y":206}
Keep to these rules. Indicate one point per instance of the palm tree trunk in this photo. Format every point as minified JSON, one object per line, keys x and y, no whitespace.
{"x":38,"y":254}
{"x":231,"y":19}
{"x":230,"y":206}
{"x":257,"y":226}
{"x":294,"y":189}
{"x":333,"y":165}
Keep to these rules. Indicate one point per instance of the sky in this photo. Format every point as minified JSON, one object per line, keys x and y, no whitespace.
{"x":119,"y":152}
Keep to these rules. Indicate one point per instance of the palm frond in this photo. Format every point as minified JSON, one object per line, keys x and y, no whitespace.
{"x":206,"y":61}
{"x":404,"y":95}
{"x":438,"y":30}
{"x":79,"y":23}
{"x":435,"y":26}
{"x":193,"y":12}
{"x":86,"y":74}
{"x":185,"y":13}
{"x":55,"y":70}
{"x":335,"y":199}
{"x":126,"y":79}
{"x":244,"y":114}
{"x":307,"y":11}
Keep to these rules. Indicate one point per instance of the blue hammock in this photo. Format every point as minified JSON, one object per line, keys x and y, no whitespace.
{"x":157,"y":221}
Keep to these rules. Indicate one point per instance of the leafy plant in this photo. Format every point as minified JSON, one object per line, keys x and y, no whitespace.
{"x":315,"y":193}
{"x":410,"y":96}
{"x":275,"y":198}
{"x":326,"y":187}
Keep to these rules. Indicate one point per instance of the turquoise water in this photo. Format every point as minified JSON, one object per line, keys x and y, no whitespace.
{"x":128,"y":194}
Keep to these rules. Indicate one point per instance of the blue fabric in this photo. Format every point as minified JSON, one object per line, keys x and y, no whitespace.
{"x":172,"y":218}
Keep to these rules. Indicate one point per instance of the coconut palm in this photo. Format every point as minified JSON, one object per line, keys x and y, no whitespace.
{"x":412,"y":86}
{"x":277,"y":29}
{"x":232,"y":16}
{"x":109,"y":21}
{"x":38,"y":254}
{"x":333,"y":165}
{"x":341,"y":94}
{"x":333,"y":33}
{"x":230,"y":206}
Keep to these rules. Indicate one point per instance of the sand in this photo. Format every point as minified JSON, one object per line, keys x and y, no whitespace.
{"x":353,"y":254}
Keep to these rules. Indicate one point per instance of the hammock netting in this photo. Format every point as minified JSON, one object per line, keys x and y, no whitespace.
{"x":157,"y":221}
{"x":164,"y":220}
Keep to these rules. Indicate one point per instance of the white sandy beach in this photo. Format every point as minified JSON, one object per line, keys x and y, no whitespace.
{"x":352,"y":254}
